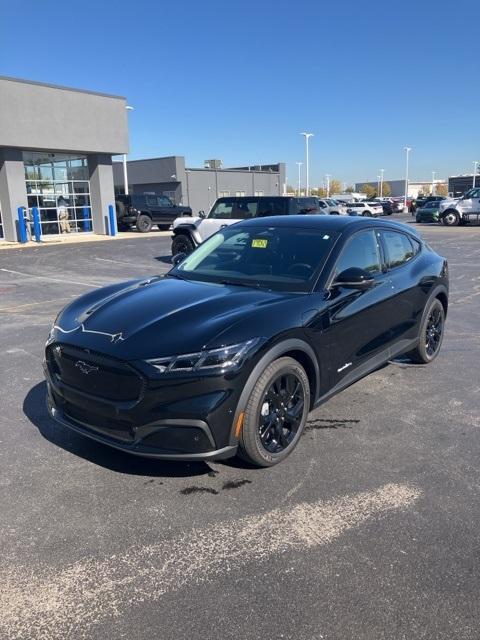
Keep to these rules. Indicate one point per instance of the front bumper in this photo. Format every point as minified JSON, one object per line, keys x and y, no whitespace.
{"x":176,"y":419}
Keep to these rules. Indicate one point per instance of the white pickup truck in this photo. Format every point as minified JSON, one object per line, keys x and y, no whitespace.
{"x":453,"y":212}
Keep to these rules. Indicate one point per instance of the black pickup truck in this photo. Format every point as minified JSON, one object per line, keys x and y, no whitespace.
{"x":144,"y":210}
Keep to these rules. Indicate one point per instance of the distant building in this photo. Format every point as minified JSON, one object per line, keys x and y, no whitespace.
{"x":199,"y":187}
{"x":397,"y":187}
{"x":458,"y":185}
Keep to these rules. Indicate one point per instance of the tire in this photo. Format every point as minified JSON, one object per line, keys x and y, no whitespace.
{"x":451,"y":218}
{"x":280,"y":436}
{"x":431,"y":334}
{"x":367,"y":214}
{"x":182,"y":244}
{"x":144,"y":223}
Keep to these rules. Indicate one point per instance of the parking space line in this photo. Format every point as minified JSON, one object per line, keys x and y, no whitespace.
{"x":31,"y":275}
{"x":31,"y":304}
{"x":51,"y":603}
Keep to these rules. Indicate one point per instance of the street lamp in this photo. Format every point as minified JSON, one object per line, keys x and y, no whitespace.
{"x":433,"y":182}
{"x":327,"y":184}
{"x":125,"y":173}
{"x":475,"y":165}
{"x":299,"y":164}
{"x":307,"y":138}
{"x":382,"y":171}
{"x":407,"y":150}
{"x":378,"y":185}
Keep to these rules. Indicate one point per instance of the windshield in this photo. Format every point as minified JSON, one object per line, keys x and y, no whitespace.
{"x":283,"y":258}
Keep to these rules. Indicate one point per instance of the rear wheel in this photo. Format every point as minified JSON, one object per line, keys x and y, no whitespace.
{"x":367,"y":214}
{"x":182,"y":244}
{"x":451,"y":218}
{"x":144,"y":223}
{"x":275,"y":414}
{"x":431,"y":334}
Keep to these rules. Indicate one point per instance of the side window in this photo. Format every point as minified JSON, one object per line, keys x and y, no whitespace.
{"x":398,"y":247}
{"x":322,"y":204}
{"x":416,"y":246}
{"x":222,"y":210}
{"x":164,"y":202}
{"x":271,"y":207}
{"x":362,"y":252}
{"x":244,"y":209}
{"x":151,"y":201}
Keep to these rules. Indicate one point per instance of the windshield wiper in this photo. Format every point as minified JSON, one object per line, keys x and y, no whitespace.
{"x":174,"y":275}
{"x":251,"y":285}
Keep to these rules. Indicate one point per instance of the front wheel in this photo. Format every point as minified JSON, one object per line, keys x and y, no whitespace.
{"x":431,"y":334}
{"x":276,"y":413}
{"x":182,"y":244}
{"x":451,"y":219}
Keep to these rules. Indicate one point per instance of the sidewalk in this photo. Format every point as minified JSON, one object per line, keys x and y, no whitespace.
{"x":76,"y":238}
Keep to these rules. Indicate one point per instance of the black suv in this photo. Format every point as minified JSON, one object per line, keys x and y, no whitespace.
{"x":145,"y":210}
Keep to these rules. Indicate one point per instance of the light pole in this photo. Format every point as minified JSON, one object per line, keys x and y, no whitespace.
{"x":407,"y":150}
{"x":382,"y":171}
{"x":125,"y":172}
{"x":378,"y":185}
{"x":475,"y":165}
{"x":433,"y":182}
{"x":327,"y":184}
{"x":307,"y":138}
{"x":299,"y":165}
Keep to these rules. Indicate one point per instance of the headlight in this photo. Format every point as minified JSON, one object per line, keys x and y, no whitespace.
{"x":221,"y":359}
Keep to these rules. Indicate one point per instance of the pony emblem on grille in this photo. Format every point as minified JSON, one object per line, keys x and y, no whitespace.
{"x":85,"y":367}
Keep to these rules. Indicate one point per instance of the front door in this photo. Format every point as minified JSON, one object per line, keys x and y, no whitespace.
{"x":356,"y":325}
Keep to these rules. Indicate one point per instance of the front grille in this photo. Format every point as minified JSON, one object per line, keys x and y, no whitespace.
{"x":94,"y":373}
{"x":115,"y":428}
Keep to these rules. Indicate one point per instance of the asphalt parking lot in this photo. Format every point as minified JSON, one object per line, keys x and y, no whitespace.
{"x":368,"y":531}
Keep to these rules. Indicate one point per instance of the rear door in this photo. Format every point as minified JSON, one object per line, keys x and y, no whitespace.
{"x":409,"y":294}
{"x":166,"y":210}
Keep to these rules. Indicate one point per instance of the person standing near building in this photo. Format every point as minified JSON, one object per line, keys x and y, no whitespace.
{"x":62,"y":212}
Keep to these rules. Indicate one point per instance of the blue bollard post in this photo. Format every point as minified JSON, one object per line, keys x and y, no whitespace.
{"x":22,"y":225}
{"x":86,"y":222}
{"x":112,"y":220}
{"x":37,"y":227}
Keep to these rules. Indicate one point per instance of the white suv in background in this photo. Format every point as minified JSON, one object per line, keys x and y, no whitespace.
{"x":369,"y":209}
{"x":453,"y":212}
{"x":332,"y":207}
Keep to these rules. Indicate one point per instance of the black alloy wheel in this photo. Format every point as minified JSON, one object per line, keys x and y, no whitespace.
{"x":431,"y":334}
{"x":281,"y":413}
{"x":275,"y":414}
{"x":182,"y":244}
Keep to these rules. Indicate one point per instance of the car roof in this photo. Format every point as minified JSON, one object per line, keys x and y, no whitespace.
{"x":333,"y":223}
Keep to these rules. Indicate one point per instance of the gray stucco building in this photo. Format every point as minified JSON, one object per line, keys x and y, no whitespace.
{"x":56,"y":147}
{"x":199,"y":187}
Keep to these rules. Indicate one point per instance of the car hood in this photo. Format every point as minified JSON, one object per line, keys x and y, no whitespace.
{"x":158,"y":317}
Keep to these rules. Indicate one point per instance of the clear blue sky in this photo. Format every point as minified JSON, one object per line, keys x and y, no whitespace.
{"x":238,"y":80}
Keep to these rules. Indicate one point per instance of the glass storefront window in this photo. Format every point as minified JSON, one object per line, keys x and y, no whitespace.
{"x":58,"y":185}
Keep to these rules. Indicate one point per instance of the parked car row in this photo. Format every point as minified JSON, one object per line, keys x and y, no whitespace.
{"x":449,"y":211}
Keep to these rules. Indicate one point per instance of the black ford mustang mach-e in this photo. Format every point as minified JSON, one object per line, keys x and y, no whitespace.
{"x":230,"y":350}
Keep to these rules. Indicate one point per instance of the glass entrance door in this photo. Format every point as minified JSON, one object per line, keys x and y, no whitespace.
{"x":57,"y":184}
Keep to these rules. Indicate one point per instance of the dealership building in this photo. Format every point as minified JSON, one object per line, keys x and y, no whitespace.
{"x":198,"y":188}
{"x":56,"y":147}
{"x":397,"y":187}
{"x":458,"y":185}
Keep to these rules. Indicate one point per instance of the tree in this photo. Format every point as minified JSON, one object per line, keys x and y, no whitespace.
{"x":441,"y":189}
{"x":321,"y":192}
{"x":426,"y":189}
{"x":369,"y":190}
{"x":291,"y":189}
{"x":386,"y":191}
{"x":335,"y":186}
{"x":350,"y":189}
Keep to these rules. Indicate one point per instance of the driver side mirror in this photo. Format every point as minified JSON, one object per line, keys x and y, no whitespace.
{"x":354,"y":278}
{"x":202,"y":214}
{"x":177,"y":258}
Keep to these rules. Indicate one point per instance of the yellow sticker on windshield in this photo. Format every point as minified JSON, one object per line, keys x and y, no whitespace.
{"x":259,"y":243}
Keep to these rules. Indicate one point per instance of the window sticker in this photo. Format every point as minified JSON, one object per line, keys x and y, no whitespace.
{"x":259,"y":243}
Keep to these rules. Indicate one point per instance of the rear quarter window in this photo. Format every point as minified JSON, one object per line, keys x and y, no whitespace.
{"x":399,"y":248}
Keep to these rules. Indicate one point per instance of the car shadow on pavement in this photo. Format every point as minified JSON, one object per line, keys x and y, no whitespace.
{"x":34,"y":408}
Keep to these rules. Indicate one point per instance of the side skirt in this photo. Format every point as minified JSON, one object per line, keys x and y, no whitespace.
{"x":402,"y":346}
